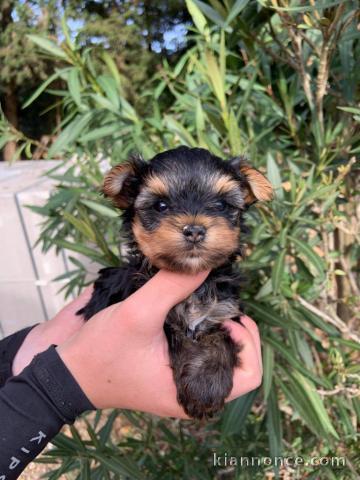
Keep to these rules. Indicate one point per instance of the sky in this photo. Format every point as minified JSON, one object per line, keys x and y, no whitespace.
{"x":171,"y":38}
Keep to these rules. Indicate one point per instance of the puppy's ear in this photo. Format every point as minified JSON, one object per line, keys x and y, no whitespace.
{"x":121,"y":184}
{"x":257,"y":186}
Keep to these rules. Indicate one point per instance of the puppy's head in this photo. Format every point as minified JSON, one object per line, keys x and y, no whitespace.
{"x":186,"y":205}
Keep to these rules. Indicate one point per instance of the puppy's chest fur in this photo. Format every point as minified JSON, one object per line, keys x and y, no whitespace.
{"x":213,"y":302}
{"x":192,"y":312}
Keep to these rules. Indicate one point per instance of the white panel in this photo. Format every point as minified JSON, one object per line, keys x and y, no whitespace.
{"x":28,"y":294}
{"x":20,"y":306}
{"x":15,"y":261}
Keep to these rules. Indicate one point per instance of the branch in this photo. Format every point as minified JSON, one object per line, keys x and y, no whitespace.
{"x":309,"y":42}
{"x":328,"y":46}
{"x":352,"y":391}
{"x":296,"y":40}
{"x":349,"y":273}
{"x":336,"y":321}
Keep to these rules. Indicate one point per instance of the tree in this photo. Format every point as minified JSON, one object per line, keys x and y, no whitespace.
{"x":21,"y":68}
{"x":133,"y":33}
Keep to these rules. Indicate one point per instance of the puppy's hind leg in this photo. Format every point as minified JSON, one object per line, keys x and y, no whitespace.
{"x":203,"y":370}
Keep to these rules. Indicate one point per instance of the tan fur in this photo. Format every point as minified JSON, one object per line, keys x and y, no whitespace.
{"x":225,"y":184}
{"x":167,"y":248}
{"x":260,"y":187}
{"x":157,"y":185}
{"x":113,"y":184}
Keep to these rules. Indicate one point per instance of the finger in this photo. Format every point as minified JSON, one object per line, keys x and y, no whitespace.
{"x":150,"y":303}
{"x":248,"y":375}
{"x":254,"y":330}
{"x":80,"y":301}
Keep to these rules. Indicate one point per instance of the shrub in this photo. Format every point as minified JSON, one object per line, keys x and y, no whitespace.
{"x":278,"y":83}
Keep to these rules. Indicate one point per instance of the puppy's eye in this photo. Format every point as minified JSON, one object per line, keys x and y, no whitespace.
{"x":161,"y":206}
{"x":220,"y":205}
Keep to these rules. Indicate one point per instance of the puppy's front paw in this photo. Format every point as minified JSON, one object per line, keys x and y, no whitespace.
{"x":202,"y":392}
{"x":203,"y":373}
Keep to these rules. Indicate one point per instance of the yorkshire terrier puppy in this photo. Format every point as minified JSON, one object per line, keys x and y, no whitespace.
{"x":183,"y":211}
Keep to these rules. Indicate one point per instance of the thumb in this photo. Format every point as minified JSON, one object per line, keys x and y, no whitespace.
{"x":79,"y":302}
{"x":165,"y":290}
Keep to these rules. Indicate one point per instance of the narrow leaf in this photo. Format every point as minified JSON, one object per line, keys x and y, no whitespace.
{"x":238,"y":6}
{"x":43,"y":87}
{"x":70,"y":133}
{"x":48,"y":46}
{"x":278,"y":271}
{"x":235,"y":413}
{"x":273,"y":174}
{"x":99,"y":208}
{"x":268,"y":363}
{"x":310,"y":255}
{"x":273,"y":423}
{"x":197,"y":16}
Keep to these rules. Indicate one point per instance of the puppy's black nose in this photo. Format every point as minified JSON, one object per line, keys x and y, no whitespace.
{"x":194,"y":233}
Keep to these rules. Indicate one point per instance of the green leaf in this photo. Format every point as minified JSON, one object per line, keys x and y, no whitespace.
{"x":176,"y":127}
{"x":197,"y":16}
{"x":310,"y":255}
{"x":273,"y":423}
{"x":354,"y":110}
{"x":268,"y":363}
{"x":278,"y":271}
{"x":66,"y":31}
{"x":199,"y":117}
{"x":234,"y":135}
{"x":289,"y":356}
{"x":80,"y":225}
{"x":265,"y":290}
{"x":308,"y":8}
{"x":128,"y":111}
{"x":316,"y":402}
{"x":222,"y":56}
{"x":347,"y":343}
{"x":74,"y":87}
{"x":215,"y":79}
{"x":120,"y":465}
{"x":70,"y":133}
{"x":105,"y":431}
{"x":211,"y":13}
{"x":88,"y":252}
{"x":238,"y":6}
{"x":315,"y":320}
{"x":265,"y":313}
{"x":104,"y":102}
{"x":101,"y":132}
{"x":244,"y":103}
{"x":110,"y":63}
{"x":99,"y":208}
{"x":235,"y":413}
{"x":48,"y":46}
{"x":109,"y":86}
{"x":43,"y":86}
{"x":273,"y":174}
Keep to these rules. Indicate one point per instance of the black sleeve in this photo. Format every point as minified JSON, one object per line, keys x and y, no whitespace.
{"x":9,"y":347}
{"x":34,"y":405}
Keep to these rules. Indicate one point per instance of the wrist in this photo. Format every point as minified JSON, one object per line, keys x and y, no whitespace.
{"x":82,"y":371}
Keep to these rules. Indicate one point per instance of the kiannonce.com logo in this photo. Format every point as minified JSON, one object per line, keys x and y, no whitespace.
{"x":226,"y":460}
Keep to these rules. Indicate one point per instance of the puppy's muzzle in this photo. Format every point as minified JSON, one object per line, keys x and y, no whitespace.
{"x":194,"y":233}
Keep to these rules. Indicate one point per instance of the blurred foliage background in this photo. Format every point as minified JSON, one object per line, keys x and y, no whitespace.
{"x":90,"y":82}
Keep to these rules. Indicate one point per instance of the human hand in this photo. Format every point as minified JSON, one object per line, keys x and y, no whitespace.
{"x":55,"y":331}
{"x":120,"y":356}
